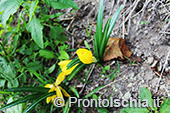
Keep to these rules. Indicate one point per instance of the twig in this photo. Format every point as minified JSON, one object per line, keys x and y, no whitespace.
{"x":164,"y":30}
{"x":166,"y":62}
{"x":87,"y":78}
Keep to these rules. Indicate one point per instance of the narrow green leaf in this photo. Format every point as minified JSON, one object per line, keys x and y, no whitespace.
{"x":99,"y":26}
{"x":103,"y":42}
{"x":94,"y":91}
{"x":38,"y":76}
{"x":76,"y":70}
{"x":9,"y":7}
{"x":21,"y":100}
{"x":66,"y":108}
{"x":63,"y":4}
{"x":73,"y":62}
{"x":165,"y":107}
{"x":32,"y":9}
{"x":87,"y":45}
{"x":51,"y":69}
{"x":113,"y":21}
{"x":28,"y":89}
{"x":74,"y":90}
{"x":36,"y":101}
{"x":35,"y":28}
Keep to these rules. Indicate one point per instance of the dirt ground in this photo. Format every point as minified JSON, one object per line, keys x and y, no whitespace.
{"x":144,"y":24}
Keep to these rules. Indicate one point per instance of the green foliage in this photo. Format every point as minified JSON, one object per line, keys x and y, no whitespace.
{"x":9,"y":7}
{"x":165,"y":107}
{"x":101,"y":37}
{"x":32,"y":41}
{"x":35,"y":28}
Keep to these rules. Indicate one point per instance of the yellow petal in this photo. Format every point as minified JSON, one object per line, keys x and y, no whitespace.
{"x":53,"y":97}
{"x":52,"y":89}
{"x":64,"y":92}
{"x":60,"y":78}
{"x":70,"y":70}
{"x":59,"y":94}
{"x":48,"y":99}
{"x":48,"y":85}
{"x":85,"y":55}
{"x":63,"y":64}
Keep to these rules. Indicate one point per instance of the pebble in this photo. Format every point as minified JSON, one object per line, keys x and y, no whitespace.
{"x":127,"y":95}
{"x":130,"y":85}
{"x":150,"y":60}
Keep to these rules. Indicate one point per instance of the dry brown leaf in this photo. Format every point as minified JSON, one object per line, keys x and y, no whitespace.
{"x":115,"y":48}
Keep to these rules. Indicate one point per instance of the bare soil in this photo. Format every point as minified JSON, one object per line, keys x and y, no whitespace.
{"x":144,"y":24}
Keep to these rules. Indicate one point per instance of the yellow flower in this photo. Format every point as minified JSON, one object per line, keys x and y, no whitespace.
{"x":63,"y":65}
{"x":58,"y":89}
{"x":85,"y":56}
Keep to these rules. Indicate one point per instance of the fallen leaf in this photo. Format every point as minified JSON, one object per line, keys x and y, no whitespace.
{"x":116,"y":48}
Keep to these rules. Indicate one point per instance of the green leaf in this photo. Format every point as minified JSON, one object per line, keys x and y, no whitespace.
{"x":34,"y":65}
{"x":14,"y":109}
{"x":9,"y":7}
{"x":63,"y":4}
{"x":8,"y":73}
{"x":94,"y":91}
{"x":165,"y":107}
{"x":32,"y":9}
{"x":74,"y":90}
{"x":56,"y":32}
{"x":64,"y":55}
{"x":2,"y":82}
{"x":51,"y":69}
{"x":35,"y":28}
{"x":102,"y":110}
{"x":146,"y":94}
{"x":28,"y":89}
{"x":6,"y":38}
{"x":46,"y":54}
{"x":134,"y":110}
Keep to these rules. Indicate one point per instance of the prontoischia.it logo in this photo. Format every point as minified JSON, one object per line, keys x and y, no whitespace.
{"x":107,"y":102}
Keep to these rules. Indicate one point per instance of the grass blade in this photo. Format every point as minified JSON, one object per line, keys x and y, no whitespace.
{"x":99,"y":28}
{"x":28,"y":89}
{"x":38,"y":100}
{"x":21,"y":100}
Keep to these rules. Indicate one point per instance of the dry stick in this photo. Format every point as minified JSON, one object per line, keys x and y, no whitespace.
{"x":123,"y":27}
{"x":130,"y":13}
{"x":93,"y":65}
{"x":164,"y":30}
{"x":166,"y":62}
{"x":143,"y":10}
{"x":112,"y":7}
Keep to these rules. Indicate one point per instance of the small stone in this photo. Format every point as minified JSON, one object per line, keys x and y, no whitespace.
{"x":162,"y":87}
{"x":130,"y":85}
{"x":127,"y":95}
{"x":150,"y":60}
